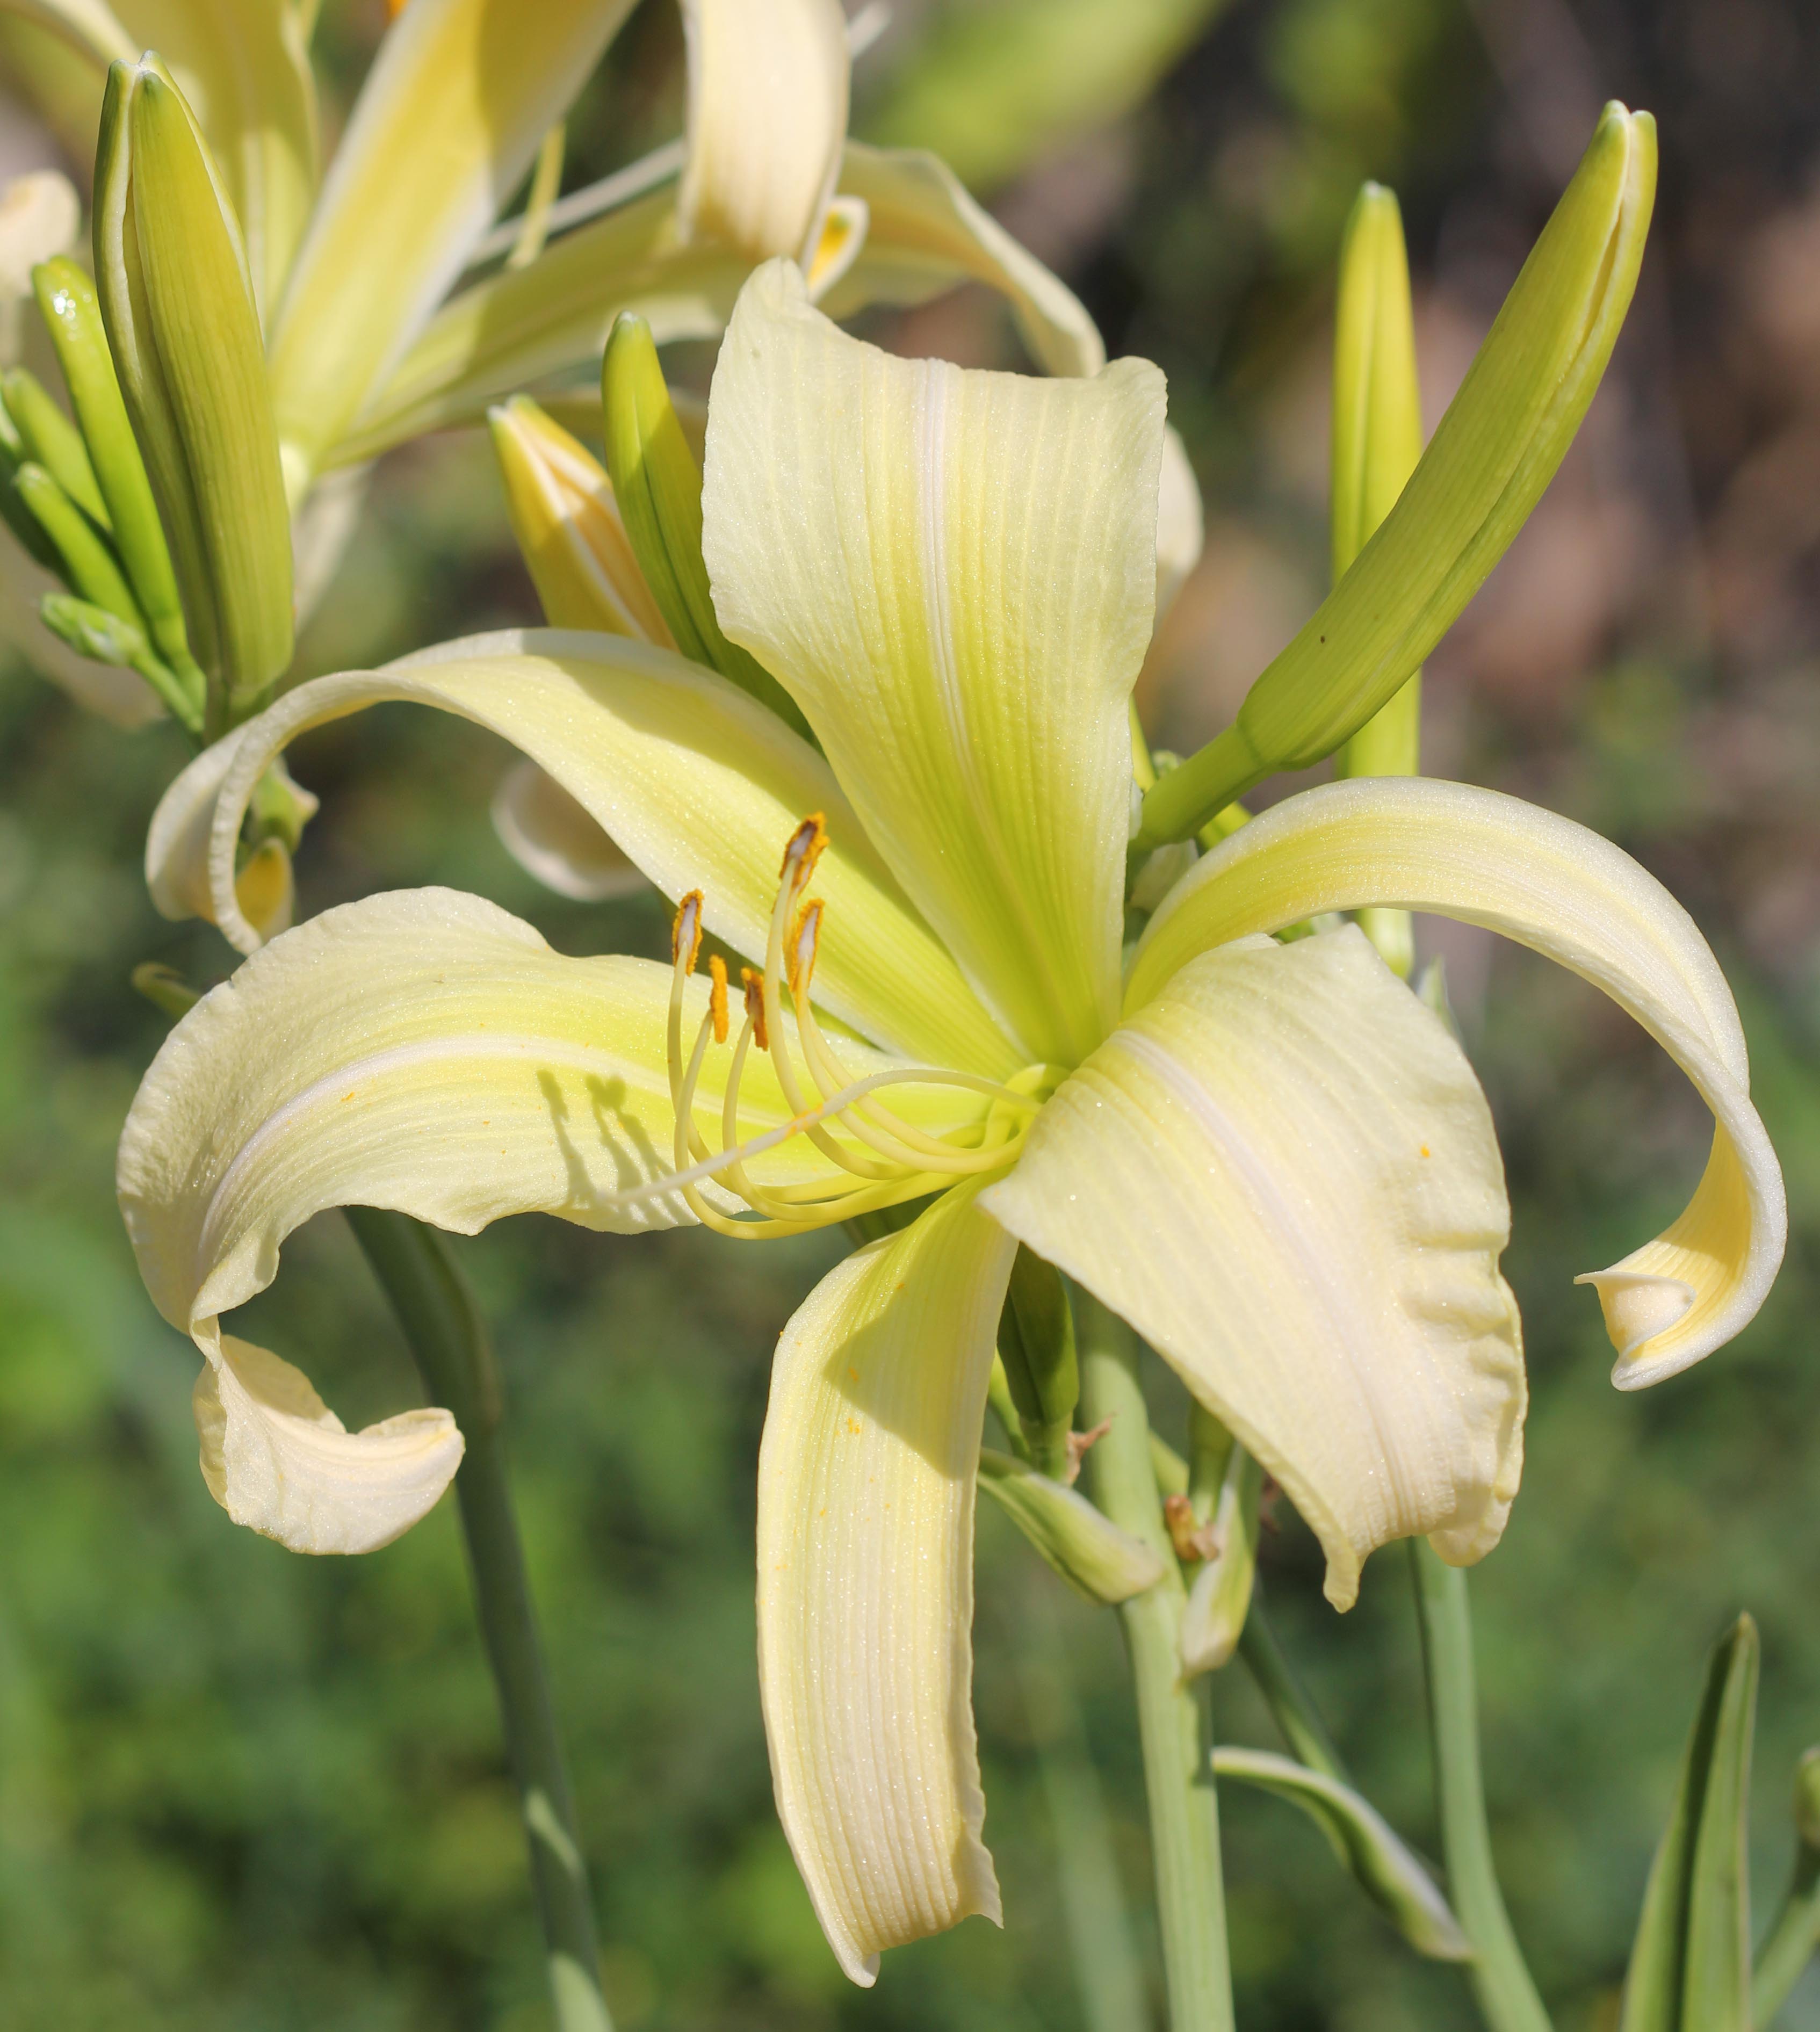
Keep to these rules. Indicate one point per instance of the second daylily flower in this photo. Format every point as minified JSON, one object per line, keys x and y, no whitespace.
{"x":1272,"y":1159}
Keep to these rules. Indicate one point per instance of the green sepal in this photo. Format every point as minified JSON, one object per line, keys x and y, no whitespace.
{"x":72,"y":313}
{"x":1498,"y":446}
{"x":1387,"y":1870}
{"x":1690,"y":1969}
{"x":1036,"y":1347}
{"x":171,"y":278}
{"x":48,"y":437}
{"x":658,"y":485}
{"x":1090,"y":1552}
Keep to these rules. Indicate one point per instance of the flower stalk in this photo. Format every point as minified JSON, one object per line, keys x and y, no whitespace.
{"x":1506,"y":1992}
{"x":449,"y":1341}
{"x":1173,"y":1719}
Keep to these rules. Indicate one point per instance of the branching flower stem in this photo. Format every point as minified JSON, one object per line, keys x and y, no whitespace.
{"x":1506,"y":1992}
{"x":1173,"y":1722}
{"x":447,"y":1337}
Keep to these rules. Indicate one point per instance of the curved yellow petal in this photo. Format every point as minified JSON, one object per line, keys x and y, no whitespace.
{"x":768,"y":86}
{"x":426,"y":1052}
{"x":456,"y":102}
{"x":1281,"y":1171}
{"x":698,"y":784}
{"x":925,"y":235}
{"x":865,"y":1597}
{"x":1540,"y":879}
{"x":278,"y":1460}
{"x":953,"y":573}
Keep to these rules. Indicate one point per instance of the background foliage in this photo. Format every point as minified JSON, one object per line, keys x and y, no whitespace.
{"x":238,"y":1788}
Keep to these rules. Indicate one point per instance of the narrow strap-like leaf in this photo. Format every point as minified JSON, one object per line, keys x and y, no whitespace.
{"x":1690,"y":1966}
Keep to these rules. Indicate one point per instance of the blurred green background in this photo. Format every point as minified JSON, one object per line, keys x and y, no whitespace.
{"x":240,"y":1789}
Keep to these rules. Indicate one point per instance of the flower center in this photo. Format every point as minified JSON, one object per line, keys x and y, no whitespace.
{"x":880,"y":1158}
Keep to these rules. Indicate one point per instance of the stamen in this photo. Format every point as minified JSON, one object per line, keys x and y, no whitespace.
{"x":753,"y":981}
{"x":805,"y":848}
{"x":804,"y":942}
{"x":686,"y":933}
{"x":717,"y":996}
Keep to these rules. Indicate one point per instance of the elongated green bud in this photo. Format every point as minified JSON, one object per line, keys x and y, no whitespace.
{"x":657,"y":484}
{"x":1036,"y":1347}
{"x":1377,"y":442}
{"x":48,"y":437}
{"x":18,"y":517}
{"x":1084,"y":1546}
{"x":171,"y":276}
{"x":1387,"y":1871}
{"x":1498,"y":448}
{"x":165,"y":988}
{"x":88,"y":565}
{"x":72,"y":313}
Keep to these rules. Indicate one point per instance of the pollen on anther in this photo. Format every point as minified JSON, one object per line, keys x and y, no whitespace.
{"x":753,"y":981}
{"x":804,"y":850}
{"x":717,"y":995}
{"x":686,"y":933}
{"x":804,"y":942}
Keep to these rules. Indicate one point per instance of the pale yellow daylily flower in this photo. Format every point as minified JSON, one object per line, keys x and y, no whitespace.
{"x":1272,"y":1158}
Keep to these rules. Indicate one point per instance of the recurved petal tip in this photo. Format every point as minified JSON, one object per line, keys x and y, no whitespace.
{"x":278,"y":1460}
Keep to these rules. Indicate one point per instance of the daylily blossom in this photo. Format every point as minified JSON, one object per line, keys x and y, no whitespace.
{"x":1272,"y":1158}
{"x":337,"y":326}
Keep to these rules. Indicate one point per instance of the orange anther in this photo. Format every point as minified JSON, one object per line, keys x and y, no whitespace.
{"x":804,"y":850}
{"x":685,"y":933}
{"x":753,"y":981}
{"x":717,"y":995}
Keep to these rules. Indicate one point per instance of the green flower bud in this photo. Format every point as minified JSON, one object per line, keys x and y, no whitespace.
{"x":658,"y":485}
{"x":171,"y":276}
{"x":86,"y":564}
{"x":47,"y":436}
{"x":1807,"y":1798}
{"x":1216,"y":1524}
{"x":72,"y":314}
{"x":92,"y":632}
{"x":1086,"y":1547}
{"x":1496,"y":449}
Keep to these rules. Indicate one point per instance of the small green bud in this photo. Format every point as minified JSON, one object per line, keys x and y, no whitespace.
{"x":175,"y":296}
{"x":1036,"y":1347}
{"x":1807,"y":1798}
{"x":92,"y":632}
{"x":1387,"y":1871}
{"x":1498,"y":448}
{"x":165,"y":988}
{"x":1085,"y":1546}
{"x":72,"y":313}
{"x":48,"y":437}
{"x":87,"y":564}
{"x":1226,"y":1539}
{"x":657,"y":484}
{"x":18,"y":517}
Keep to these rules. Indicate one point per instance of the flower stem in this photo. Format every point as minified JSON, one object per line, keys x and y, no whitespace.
{"x":448,"y":1336}
{"x":1292,"y":1707}
{"x":1507,"y":1998}
{"x":1173,"y":1723}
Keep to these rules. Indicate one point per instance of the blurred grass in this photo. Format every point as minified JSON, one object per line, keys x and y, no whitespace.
{"x":239,"y":1789}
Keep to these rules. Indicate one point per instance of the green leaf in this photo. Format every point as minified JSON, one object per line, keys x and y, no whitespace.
{"x":1388,"y":1870}
{"x":1496,"y":449}
{"x":1690,"y":1966}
